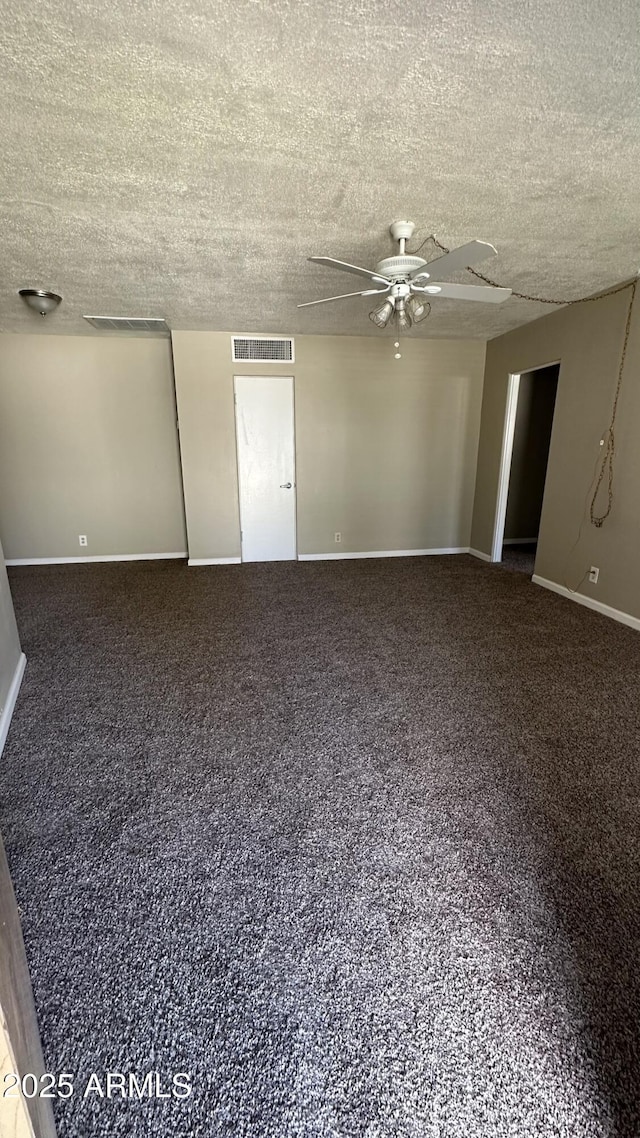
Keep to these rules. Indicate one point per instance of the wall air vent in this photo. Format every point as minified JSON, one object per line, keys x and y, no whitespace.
{"x":261,"y":349}
{"x":128,"y":324}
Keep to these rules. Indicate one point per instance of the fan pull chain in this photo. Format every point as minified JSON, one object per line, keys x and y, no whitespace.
{"x":398,"y":355}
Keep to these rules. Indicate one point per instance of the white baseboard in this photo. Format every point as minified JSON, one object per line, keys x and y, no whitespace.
{"x":519,"y":541}
{"x":103,"y":557}
{"x":589,"y":602}
{"x":214,"y":561}
{"x":480,"y":554}
{"x":10,"y":702}
{"x":380,"y":553}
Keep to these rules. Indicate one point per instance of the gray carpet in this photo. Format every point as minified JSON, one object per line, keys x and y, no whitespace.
{"x":356,"y":844}
{"x":520,"y":558}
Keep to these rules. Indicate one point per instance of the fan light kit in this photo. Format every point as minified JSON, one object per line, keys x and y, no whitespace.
{"x":40,"y":300}
{"x":406,"y":280}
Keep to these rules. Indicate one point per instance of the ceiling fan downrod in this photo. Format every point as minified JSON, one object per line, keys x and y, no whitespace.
{"x":402,"y":231}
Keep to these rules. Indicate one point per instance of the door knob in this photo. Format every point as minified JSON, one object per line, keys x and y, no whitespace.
{"x":285,"y":485}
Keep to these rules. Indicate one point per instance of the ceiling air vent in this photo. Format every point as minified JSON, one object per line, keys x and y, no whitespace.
{"x":128,"y":324}
{"x":261,"y":349}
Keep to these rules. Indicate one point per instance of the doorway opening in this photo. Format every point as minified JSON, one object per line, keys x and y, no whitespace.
{"x":531,"y":402}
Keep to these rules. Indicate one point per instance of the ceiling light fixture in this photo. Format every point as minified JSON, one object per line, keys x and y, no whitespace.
{"x":383,"y":313}
{"x":403,"y":320}
{"x":407,"y":311}
{"x":40,"y":300}
{"x":418,"y":308}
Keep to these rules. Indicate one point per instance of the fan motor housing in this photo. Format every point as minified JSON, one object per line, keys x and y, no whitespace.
{"x":399,"y":267}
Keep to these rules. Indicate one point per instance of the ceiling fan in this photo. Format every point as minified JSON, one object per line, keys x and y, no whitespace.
{"x":410,"y":281}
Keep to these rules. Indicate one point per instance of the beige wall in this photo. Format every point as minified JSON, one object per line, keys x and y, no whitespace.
{"x":531,"y":438}
{"x":587,"y":339}
{"x":9,"y":642}
{"x":88,"y":445}
{"x":386,"y":450}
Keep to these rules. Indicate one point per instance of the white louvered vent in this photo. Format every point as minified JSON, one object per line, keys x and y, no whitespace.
{"x":128,"y":324}
{"x":261,"y":349}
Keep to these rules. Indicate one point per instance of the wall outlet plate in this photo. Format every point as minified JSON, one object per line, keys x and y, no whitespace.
{"x":337,"y":537}
{"x":82,"y":539}
{"x":594,"y":573}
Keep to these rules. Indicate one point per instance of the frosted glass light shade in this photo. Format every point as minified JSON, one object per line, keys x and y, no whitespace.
{"x":381,"y":315}
{"x":418,"y":308}
{"x":40,"y":300}
{"x":403,"y":320}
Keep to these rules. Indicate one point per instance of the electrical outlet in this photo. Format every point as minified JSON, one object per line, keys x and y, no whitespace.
{"x":594,"y":573}
{"x":82,"y":539}
{"x":337,"y":537}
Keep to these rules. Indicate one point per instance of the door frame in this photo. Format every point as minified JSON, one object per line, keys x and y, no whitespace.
{"x":506,"y":454}
{"x":251,"y":375}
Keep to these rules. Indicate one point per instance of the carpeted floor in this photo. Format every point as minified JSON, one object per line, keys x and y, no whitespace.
{"x":519,"y":558}
{"x":355,"y":844}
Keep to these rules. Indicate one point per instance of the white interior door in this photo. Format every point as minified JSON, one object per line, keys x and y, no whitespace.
{"x":266,"y":466}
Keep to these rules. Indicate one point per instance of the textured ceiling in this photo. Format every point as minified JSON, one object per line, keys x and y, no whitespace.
{"x":182,"y":158}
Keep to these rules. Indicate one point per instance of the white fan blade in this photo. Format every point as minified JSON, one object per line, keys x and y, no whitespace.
{"x":344,"y":295}
{"x":346,"y":268}
{"x":457,"y":259}
{"x":487,"y":293}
